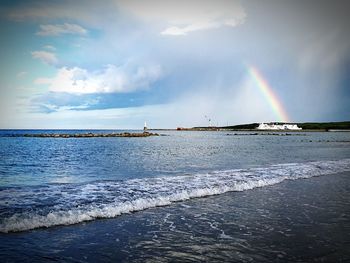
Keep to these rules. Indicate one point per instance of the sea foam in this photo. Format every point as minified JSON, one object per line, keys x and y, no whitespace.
{"x":65,"y":204}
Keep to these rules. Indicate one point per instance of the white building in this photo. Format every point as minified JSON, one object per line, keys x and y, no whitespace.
{"x":271,"y":126}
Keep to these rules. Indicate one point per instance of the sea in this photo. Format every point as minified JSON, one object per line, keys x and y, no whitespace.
{"x":183,"y":196}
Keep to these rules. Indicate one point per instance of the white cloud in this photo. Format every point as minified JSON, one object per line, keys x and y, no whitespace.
{"x":176,"y":31}
{"x":109,"y":80}
{"x":45,"y":56}
{"x":59,"y":29}
{"x":174,"y":17}
{"x":68,"y":10}
{"x":183,"y":17}
{"x":49,"y":47}
{"x":55,"y":108}
{"x":21,"y":74}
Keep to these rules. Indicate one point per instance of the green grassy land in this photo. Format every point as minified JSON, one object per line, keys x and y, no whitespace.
{"x":345,"y":125}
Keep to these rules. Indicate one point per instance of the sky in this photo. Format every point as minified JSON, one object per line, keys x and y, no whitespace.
{"x":115,"y":64}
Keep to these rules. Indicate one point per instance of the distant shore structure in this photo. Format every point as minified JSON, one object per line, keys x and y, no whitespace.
{"x":273,"y":126}
{"x":145,"y":127}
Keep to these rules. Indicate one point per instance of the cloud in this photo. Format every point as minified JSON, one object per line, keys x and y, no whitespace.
{"x":60,"y":29}
{"x":50,"y":108}
{"x":58,"y":101}
{"x":49,"y":47}
{"x":183,"y":17}
{"x":21,"y":74}
{"x":242,"y":105}
{"x":176,"y":31}
{"x":173,"y":17}
{"x":111,"y":79}
{"x":45,"y":57}
{"x":66,"y":10}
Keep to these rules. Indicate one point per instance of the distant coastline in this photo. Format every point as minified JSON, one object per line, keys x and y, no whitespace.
{"x":306,"y":127}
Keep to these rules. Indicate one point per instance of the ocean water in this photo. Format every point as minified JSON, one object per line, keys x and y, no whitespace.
{"x":186,"y":196}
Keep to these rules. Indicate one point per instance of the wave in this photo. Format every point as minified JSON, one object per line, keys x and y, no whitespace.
{"x":24,"y":209}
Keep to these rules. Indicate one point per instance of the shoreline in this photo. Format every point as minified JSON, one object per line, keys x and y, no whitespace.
{"x":295,"y":220}
{"x":246,"y":130}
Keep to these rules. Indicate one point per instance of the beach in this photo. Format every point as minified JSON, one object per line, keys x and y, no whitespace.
{"x":184,"y":197}
{"x":305,"y":220}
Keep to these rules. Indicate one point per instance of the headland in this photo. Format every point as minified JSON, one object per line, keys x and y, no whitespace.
{"x":305,"y":127}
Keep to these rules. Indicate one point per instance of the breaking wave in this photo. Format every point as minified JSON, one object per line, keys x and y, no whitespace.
{"x":65,"y":204}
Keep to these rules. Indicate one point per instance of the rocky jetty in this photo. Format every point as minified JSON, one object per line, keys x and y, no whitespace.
{"x":88,"y":135}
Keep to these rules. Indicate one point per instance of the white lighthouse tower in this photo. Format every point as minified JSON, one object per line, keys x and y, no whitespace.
{"x":145,"y":127}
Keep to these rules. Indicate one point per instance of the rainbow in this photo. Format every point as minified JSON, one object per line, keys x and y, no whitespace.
{"x":269,"y":94}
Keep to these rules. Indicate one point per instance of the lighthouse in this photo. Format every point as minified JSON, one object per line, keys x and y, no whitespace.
{"x":145,"y":127}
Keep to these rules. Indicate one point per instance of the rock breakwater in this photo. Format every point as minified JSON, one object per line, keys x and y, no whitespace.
{"x":87,"y":135}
